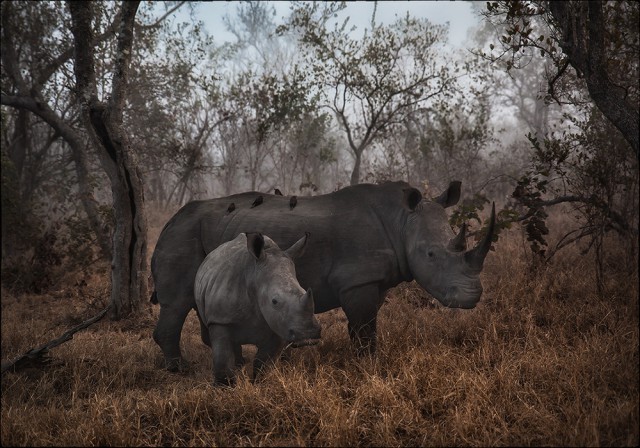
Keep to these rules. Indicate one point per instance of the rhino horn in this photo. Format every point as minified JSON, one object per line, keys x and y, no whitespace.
{"x":459,"y":242}
{"x":297,"y":249}
{"x":475,"y":257}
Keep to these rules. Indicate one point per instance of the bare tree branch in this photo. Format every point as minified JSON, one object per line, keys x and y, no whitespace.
{"x":39,"y":356}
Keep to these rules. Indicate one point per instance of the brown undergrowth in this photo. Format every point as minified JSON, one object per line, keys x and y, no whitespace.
{"x":542,"y":360}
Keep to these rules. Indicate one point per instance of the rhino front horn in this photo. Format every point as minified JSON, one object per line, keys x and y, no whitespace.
{"x":475,"y":257}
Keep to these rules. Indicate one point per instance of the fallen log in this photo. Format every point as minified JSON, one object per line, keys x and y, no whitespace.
{"x":39,"y":356}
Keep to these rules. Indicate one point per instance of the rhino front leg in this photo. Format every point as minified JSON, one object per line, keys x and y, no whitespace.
{"x":222,"y":348}
{"x":206,"y":339}
{"x":167,"y":336}
{"x":361,"y":306}
{"x":268,"y":351}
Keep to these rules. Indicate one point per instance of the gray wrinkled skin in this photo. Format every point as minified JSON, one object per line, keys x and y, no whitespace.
{"x":246,"y":292}
{"x":364,"y":240}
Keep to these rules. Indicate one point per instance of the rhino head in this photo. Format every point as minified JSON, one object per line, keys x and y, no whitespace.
{"x":284,"y":304}
{"x":438,"y":258}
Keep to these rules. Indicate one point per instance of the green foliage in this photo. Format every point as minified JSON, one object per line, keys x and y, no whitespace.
{"x":590,"y":168}
{"x":468,"y":211}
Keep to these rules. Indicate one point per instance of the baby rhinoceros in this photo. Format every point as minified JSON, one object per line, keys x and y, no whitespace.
{"x":246,"y":292}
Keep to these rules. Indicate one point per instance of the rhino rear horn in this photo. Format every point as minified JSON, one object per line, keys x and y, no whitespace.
{"x":451,"y":195}
{"x":475,"y":257}
{"x":307,"y":299}
{"x":255,"y":244}
{"x":459,"y":242}
{"x":297,"y":249}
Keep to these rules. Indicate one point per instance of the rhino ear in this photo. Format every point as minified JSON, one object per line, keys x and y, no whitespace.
{"x":412,"y":198}
{"x":297,"y":249}
{"x":450,"y":196}
{"x":255,"y":244}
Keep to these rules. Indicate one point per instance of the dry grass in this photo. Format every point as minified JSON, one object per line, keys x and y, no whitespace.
{"x":543,"y":360}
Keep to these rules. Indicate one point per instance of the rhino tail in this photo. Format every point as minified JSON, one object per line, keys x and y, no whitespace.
{"x":154,"y":298}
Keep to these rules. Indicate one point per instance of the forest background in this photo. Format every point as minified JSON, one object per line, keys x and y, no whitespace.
{"x":115,"y":115}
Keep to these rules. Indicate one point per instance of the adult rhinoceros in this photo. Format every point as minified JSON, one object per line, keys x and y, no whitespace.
{"x":364,"y":239}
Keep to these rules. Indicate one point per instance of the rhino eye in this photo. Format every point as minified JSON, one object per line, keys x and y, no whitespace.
{"x":430,"y":253}
{"x":274,"y":301}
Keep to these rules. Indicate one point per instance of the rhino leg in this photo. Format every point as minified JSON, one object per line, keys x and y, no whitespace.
{"x":237,"y":353}
{"x":363,"y":336}
{"x":361,"y":306}
{"x":268,"y":351}
{"x":206,"y":339}
{"x":167,"y":336}
{"x":204,"y":331}
{"x":222,"y":347}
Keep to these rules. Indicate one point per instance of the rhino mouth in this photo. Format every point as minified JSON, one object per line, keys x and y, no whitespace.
{"x":304,"y":343}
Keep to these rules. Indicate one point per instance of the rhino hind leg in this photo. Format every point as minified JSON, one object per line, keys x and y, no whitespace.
{"x":204,"y":332}
{"x":167,"y":336}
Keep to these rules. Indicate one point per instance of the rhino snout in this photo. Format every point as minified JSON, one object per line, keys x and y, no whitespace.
{"x":307,"y":336}
{"x":465,"y":298}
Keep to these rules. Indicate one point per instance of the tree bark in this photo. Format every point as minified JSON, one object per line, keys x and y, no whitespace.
{"x":583,"y":41}
{"x":104,"y":122}
{"x":355,"y":174}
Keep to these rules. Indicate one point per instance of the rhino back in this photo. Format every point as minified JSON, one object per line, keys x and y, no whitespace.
{"x":353,"y":239}
{"x":349,"y":244}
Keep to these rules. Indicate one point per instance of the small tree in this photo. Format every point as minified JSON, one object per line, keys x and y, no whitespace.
{"x":371,"y":84}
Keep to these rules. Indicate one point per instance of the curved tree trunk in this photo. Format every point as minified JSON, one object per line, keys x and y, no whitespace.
{"x":104,"y":122}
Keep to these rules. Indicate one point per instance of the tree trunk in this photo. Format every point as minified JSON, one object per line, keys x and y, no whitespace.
{"x":104,"y":122}
{"x":355,"y":174}
{"x":583,"y":41}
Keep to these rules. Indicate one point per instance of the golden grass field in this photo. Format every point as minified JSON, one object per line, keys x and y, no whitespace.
{"x":542,"y":360}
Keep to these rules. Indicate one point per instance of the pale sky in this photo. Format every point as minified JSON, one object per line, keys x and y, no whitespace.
{"x":458,"y":13}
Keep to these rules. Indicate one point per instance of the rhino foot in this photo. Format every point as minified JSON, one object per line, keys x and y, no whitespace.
{"x":177,"y":365}
{"x":224,"y":381}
